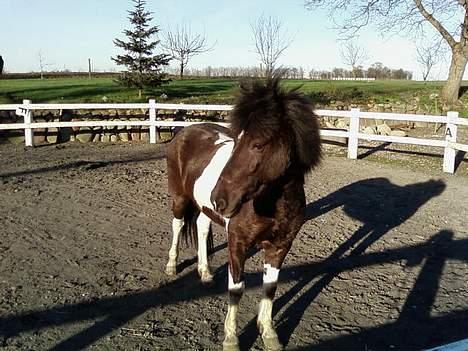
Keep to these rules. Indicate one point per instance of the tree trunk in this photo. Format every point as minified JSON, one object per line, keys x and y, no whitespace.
{"x":457,"y":69}
{"x":181,"y":70}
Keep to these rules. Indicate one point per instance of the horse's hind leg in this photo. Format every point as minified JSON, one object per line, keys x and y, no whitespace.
{"x":203,"y":229}
{"x":179,"y":205}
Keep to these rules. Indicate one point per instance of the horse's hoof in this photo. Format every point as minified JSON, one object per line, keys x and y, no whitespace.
{"x":207,"y":279}
{"x":272,"y":344}
{"x":205,"y":276}
{"x":171,"y":270}
{"x":231,"y":345}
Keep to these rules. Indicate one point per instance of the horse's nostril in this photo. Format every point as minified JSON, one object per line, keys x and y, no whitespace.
{"x":221,"y":205}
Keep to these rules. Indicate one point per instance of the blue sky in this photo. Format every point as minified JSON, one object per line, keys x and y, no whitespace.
{"x":67,"y":32}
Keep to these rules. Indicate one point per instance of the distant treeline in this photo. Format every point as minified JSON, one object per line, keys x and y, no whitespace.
{"x":64,"y":74}
{"x":376,"y":70}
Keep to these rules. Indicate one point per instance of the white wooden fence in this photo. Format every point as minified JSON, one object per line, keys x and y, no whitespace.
{"x":450,"y":145}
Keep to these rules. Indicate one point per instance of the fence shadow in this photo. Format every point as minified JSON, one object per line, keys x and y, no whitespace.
{"x":85,"y":164}
{"x":378,"y":204}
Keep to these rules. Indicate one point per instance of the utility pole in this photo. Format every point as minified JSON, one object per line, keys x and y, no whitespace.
{"x":89,"y":68}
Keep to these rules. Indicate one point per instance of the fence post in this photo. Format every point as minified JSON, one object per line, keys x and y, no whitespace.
{"x":450,"y":136}
{"x":353,"y":133}
{"x":28,"y":132}
{"x":152,"y":118}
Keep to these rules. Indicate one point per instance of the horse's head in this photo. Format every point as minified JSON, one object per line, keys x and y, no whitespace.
{"x":274,"y":130}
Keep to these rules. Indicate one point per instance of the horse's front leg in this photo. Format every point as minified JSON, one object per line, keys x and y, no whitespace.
{"x":274,"y":258}
{"x":203,"y":229}
{"x":236,"y":290}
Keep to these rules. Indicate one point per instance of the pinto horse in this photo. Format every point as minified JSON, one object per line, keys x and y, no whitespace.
{"x":248,"y":178}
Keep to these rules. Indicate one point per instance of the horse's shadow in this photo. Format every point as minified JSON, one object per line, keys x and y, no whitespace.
{"x":380,"y":206}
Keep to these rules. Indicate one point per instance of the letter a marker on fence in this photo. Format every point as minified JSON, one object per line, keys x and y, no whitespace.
{"x":450,"y":137}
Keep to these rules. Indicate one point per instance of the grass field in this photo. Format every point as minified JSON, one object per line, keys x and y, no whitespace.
{"x":56,"y":90}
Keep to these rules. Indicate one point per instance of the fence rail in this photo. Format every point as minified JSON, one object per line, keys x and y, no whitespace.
{"x":450,"y":144}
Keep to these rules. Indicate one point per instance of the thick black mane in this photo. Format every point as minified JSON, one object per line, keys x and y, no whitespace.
{"x":264,"y":108}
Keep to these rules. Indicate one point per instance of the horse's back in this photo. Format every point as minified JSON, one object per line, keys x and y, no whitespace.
{"x":190,"y":152}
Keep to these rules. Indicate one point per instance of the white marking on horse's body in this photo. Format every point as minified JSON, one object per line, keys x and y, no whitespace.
{"x":270,"y":274}
{"x":203,"y":227}
{"x":232,"y":285}
{"x":230,"y":323}
{"x":231,"y":341}
{"x":205,"y":184}
{"x":226,"y":221}
{"x":223,"y":138}
{"x":265,"y":320}
{"x":177,"y":225}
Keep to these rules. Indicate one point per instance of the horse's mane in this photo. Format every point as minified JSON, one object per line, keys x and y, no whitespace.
{"x":264,"y":108}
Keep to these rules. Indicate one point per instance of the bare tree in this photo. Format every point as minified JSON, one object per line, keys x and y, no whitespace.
{"x":353,"y":55}
{"x":270,"y":41}
{"x":428,"y":55}
{"x":42,"y":63}
{"x":182,"y":44}
{"x":448,"y":18}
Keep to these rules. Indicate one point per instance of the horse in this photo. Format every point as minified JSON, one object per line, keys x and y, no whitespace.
{"x":248,"y":178}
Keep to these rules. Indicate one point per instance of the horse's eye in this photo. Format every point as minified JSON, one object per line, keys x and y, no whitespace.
{"x":258,"y":147}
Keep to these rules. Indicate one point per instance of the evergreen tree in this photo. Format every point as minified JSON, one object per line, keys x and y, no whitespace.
{"x":144,"y":67}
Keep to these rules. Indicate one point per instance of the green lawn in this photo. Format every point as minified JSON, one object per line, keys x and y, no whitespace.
{"x":56,"y":90}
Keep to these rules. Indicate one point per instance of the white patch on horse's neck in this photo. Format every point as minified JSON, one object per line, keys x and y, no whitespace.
{"x":223,"y":138}
{"x":204,"y":185}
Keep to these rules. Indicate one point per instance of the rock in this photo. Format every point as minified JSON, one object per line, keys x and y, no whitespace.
{"x":113,"y":138}
{"x":135,"y":135}
{"x":105,"y":138}
{"x":370,"y":130}
{"x":329,"y":125}
{"x":384,"y":129}
{"x":342,"y":124}
{"x":399,"y":133}
{"x":16,"y":140}
{"x":144,"y":136}
{"x":85,"y":135}
{"x":75,"y":129}
{"x":52,"y":135}
{"x":123,"y":135}
{"x":97,"y":138}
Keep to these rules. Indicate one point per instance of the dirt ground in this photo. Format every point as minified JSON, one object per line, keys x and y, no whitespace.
{"x":381,"y":263}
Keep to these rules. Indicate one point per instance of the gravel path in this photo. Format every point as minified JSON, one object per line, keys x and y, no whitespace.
{"x":381,"y":264}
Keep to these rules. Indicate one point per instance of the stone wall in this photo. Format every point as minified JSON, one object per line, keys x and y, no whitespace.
{"x":134,"y":133}
{"x":99,"y":134}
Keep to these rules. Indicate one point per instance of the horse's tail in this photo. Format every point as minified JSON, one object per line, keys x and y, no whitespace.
{"x":190,"y":230}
